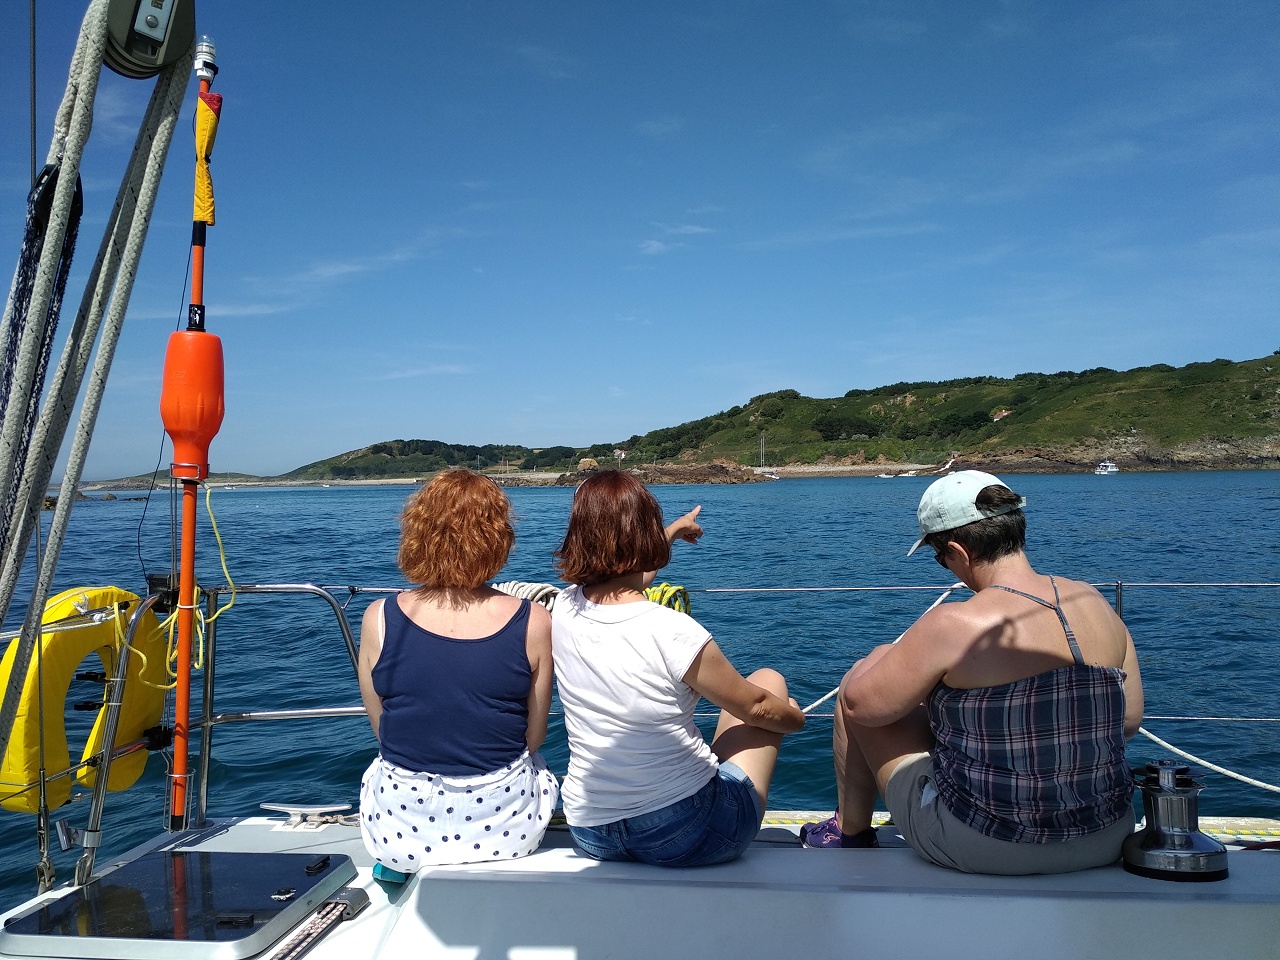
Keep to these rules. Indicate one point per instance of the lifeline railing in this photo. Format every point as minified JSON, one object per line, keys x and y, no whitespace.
{"x":210,"y":719}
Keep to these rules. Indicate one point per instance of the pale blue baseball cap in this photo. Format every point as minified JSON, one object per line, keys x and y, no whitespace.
{"x":950,"y":502}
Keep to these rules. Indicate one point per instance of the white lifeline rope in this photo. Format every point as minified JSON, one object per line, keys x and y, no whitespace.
{"x":1205,"y":763}
{"x":108,"y":290}
{"x":945,"y":593}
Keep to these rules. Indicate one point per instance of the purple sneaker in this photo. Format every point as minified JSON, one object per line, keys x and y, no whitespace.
{"x":827,"y":834}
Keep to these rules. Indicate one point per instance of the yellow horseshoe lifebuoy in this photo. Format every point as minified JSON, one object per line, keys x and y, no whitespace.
{"x":62,"y":653}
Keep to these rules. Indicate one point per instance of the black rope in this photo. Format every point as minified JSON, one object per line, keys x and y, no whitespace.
{"x":39,"y":209}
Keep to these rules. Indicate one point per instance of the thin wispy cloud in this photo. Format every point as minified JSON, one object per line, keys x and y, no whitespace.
{"x":420,"y":373}
{"x":547,"y":62}
{"x":656,"y":248}
{"x":660,"y":128}
{"x":822,"y":235}
{"x":682,"y":229}
{"x":118,"y":109}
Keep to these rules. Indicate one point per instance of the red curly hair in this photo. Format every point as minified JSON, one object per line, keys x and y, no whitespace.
{"x":615,"y":528}
{"x":455,"y":532}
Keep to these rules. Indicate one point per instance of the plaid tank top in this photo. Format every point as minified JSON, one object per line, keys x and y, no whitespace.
{"x":1038,"y":760}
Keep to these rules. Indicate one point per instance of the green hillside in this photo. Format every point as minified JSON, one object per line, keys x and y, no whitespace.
{"x":1149,"y":412}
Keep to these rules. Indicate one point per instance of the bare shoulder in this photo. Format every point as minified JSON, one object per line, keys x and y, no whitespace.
{"x":372,"y":614}
{"x":947,"y":630}
{"x":1078,"y":588}
{"x":539,"y":616}
{"x":951,"y":619}
{"x":1087,"y":596}
{"x":537,"y":637}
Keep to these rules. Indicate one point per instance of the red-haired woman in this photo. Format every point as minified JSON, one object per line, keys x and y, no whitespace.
{"x":642,"y":783}
{"x":456,"y":678}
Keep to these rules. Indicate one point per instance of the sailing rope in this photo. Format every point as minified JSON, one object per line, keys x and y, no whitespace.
{"x":100,"y":317}
{"x":1205,"y":763}
{"x":823,"y":699}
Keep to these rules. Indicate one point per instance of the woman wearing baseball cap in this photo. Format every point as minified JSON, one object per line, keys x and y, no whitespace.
{"x":993,"y":728}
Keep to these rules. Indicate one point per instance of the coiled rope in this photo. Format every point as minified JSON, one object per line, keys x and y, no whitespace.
{"x":669,"y":595}
{"x":543,"y":593}
{"x":663,"y":594}
{"x":100,"y":317}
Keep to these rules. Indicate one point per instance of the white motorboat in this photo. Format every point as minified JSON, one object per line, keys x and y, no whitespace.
{"x":1105,"y":468}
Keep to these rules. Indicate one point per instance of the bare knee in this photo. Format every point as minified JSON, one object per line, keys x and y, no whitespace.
{"x":770,"y":680}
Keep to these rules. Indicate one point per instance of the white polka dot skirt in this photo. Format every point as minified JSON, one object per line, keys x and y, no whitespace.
{"x":411,"y":820}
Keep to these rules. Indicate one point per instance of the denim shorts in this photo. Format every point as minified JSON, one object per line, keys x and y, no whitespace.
{"x":714,"y":825}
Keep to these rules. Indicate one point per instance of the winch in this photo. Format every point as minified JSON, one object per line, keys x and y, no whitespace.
{"x":1171,"y":846}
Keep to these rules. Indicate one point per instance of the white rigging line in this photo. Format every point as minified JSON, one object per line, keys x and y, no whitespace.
{"x":945,"y":593}
{"x":100,"y":317}
{"x":1205,"y":763}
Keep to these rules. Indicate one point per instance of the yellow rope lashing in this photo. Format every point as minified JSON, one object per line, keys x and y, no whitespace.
{"x":669,"y":595}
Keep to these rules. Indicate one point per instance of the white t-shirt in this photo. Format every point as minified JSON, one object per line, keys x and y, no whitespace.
{"x":633,"y":745}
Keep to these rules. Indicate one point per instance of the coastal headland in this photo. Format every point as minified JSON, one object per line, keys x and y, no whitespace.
{"x":1215,"y":454}
{"x":1215,"y":415}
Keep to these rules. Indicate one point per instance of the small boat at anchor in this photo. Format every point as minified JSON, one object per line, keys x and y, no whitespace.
{"x":1105,"y":468}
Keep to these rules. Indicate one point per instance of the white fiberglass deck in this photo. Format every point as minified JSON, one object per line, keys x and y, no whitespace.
{"x":779,"y":901}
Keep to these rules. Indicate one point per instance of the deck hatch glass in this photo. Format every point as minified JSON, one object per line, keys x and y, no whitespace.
{"x":182,"y":904}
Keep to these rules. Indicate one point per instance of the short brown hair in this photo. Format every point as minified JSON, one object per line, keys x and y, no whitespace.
{"x":615,"y":528}
{"x":455,"y":532}
{"x":991,"y":537}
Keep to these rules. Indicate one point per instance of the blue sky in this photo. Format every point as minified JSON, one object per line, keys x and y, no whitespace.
{"x":570,"y":222}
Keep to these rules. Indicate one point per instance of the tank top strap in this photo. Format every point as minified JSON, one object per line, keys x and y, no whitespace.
{"x":1056,"y":607}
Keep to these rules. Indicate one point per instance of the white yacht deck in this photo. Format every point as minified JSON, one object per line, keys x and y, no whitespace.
{"x":778,"y":901}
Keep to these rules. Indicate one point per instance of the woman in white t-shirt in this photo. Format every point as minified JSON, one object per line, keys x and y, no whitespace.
{"x":642,"y":783}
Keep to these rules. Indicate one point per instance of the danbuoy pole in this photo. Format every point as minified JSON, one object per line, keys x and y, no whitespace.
{"x":191,"y":405}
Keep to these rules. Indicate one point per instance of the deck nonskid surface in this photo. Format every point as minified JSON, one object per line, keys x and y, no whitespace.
{"x":777,"y":901}
{"x":781,"y":900}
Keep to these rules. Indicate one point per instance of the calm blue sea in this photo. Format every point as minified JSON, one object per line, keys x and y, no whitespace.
{"x":1205,"y":652}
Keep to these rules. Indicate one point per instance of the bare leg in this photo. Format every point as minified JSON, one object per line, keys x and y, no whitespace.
{"x":752,"y":749}
{"x":855,"y":783}
{"x":865,"y":758}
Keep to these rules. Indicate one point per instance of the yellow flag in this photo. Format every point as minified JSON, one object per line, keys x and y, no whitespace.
{"x":207,"y":110}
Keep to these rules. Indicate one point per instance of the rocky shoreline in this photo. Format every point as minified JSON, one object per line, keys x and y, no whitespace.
{"x":1131,"y":457}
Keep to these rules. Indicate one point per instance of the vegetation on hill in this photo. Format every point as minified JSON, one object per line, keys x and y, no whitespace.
{"x":1149,"y":415}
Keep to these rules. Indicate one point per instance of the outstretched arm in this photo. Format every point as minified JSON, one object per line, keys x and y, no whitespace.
{"x":684,"y":528}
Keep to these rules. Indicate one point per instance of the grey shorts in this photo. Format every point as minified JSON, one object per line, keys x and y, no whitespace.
{"x":937,"y":836}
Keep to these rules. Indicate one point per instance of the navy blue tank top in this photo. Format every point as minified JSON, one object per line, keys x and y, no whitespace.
{"x":456,"y":707}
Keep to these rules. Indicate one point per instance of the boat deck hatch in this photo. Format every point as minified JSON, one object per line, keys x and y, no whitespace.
{"x":182,"y":904}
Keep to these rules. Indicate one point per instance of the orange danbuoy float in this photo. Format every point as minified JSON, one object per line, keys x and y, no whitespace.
{"x":191,"y":400}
